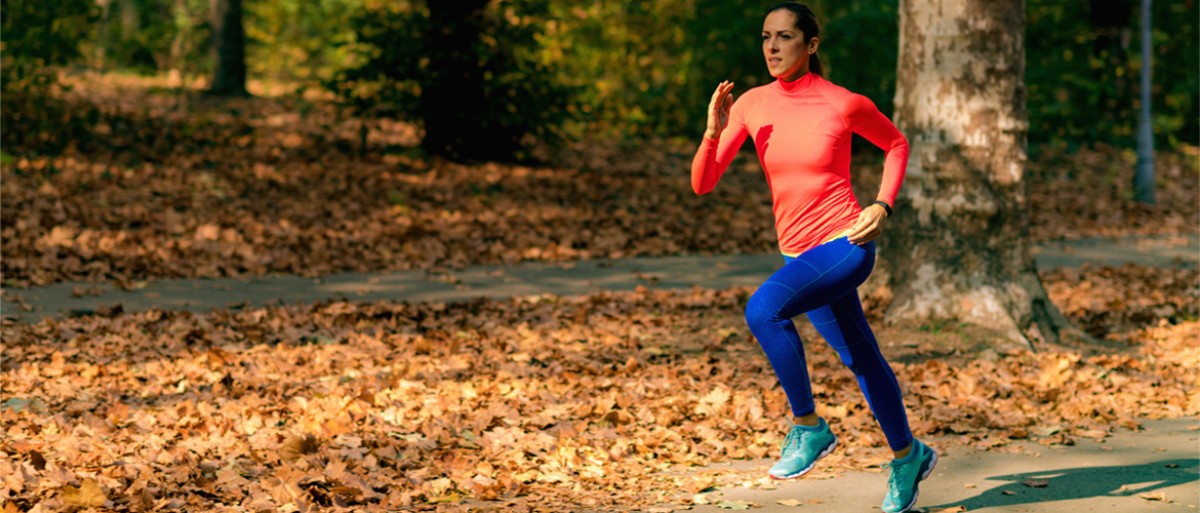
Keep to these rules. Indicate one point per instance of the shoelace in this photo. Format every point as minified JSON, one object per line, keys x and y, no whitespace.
{"x":793,"y":438}
{"x":893,"y":476}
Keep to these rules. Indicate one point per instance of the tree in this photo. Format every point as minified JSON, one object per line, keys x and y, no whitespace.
{"x":454,"y":84}
{"x":959,"y":245}
{"x":228,"y":49}
{"x":470,"y":72}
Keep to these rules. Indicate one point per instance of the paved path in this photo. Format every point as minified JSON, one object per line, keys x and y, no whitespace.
{"x":1160,"y":462}
{"x":571,"y":278}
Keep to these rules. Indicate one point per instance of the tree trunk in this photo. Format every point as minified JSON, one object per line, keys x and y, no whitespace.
{"x":452,"y":101}
{"x":959,"y":248}
{"x":1110,"y":21}
{"x":228,"y":49}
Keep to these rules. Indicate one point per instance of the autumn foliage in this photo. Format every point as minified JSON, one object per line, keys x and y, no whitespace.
{"x":253,"y":187}
{"x":611,"y":401}
{"x":543,"y":402}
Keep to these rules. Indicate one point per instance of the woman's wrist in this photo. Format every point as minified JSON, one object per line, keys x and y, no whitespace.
{"x":886,"y":208}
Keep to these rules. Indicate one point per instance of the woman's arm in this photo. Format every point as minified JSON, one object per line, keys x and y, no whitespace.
{"x":867,"y":121}
{"x":723,"y":137}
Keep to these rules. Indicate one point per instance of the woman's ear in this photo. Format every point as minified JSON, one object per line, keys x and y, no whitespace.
{"x":812,"y":45}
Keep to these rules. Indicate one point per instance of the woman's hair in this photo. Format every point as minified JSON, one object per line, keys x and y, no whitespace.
{"x":806,"y":22}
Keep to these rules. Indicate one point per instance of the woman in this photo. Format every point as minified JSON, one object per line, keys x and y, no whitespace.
{"x":801,"y":125}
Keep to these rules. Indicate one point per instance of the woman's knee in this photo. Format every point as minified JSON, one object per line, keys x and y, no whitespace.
{"x":762,"y":311}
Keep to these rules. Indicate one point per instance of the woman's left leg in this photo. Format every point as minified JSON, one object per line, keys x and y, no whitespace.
{"x":844,"y":326}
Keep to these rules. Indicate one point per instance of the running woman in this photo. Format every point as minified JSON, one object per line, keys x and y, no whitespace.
{"x":801,"y":125}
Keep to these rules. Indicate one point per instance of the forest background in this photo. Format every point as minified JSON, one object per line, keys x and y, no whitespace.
{"x":626,"y":70}
{"x":563,"y":132}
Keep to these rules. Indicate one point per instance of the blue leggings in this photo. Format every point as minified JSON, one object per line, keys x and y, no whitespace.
{"x":822,"y":283}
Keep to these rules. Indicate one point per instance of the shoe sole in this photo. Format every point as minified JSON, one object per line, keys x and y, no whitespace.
{"x":924,"y":475}
{"x":801,"y":473}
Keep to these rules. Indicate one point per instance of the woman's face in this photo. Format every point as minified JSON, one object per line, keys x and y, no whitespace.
{"x":784,"y":46}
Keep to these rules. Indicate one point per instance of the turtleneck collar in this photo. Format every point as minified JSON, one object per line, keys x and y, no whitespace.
{"x":797,"y":86}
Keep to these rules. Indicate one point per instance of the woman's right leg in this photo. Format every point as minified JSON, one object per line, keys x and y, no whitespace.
{"x":813,"y":279}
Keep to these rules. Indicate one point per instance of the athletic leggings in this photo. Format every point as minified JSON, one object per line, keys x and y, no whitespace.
{"x":822,"y":282}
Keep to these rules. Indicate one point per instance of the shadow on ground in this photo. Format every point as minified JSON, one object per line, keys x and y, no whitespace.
{"x":1082,"y":483}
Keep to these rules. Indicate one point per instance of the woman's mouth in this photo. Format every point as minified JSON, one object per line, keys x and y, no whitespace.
{"x":773,"y":61}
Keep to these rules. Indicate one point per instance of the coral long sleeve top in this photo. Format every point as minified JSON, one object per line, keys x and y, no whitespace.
{"x":802,"y":132}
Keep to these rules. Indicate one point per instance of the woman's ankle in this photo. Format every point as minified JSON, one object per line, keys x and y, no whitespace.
{"x":810,"y":420}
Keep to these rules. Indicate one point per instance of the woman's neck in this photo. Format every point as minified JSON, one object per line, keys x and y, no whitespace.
{"x":797,"y":84}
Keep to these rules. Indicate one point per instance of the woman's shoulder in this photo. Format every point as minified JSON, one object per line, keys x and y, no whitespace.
{"x":831,"y":88}
{"x":756,"y":93}
{"x":847,"y":100}
{"x":752,"y":97}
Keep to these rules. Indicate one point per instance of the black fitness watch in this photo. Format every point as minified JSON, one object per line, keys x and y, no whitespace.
{"x":886,"y":208}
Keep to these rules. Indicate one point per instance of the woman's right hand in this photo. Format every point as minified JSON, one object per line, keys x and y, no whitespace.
{"x":718,"y":110}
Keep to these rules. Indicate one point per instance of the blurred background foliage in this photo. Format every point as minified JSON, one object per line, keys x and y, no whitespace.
{"x":554,"y":69}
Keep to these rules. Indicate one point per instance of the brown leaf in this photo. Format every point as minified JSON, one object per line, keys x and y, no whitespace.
{"x":1036,"y":483}
{"x":88,"y":495}
{"x":296,"y":446}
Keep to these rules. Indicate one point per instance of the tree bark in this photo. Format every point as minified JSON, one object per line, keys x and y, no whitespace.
{"x":958,"y":247}
{"x":452,"y":104}
{"x":1110,"y":21}
{"x":228,"y":49}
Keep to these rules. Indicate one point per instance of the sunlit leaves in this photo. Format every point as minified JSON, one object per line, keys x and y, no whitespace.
{"x":526,"y":402}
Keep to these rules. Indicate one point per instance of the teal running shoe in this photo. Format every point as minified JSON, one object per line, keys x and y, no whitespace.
{"x":802,"y":448}
{"x":907,"y":473}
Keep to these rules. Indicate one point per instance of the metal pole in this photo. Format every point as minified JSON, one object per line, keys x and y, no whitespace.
{"x":1143,"y":178}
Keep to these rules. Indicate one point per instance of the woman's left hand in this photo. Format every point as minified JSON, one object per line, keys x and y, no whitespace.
{"x":870,"y":225}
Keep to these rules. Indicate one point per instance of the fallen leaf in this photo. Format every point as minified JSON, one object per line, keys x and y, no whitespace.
{"x":1156,"y":496}
{"x":297,"y":446}
{"x":88,"y":495}
{"x":788,"y":502}
{"x":1036,"y":483}
{"x":737,"y":505}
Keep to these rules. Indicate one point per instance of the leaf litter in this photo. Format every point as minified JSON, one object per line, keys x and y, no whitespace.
{"x":252,"y":187}
{"x":534,"y":403}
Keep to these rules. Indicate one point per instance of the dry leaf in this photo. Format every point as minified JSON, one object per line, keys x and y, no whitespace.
{"x":1036,"y":482}
{"x":88,"y":495}
{"x":788,"y":502}
{"x":737,"y":505}
{"x":1156,"y":496}
{"x":296,"y":446}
